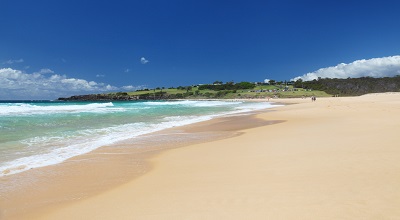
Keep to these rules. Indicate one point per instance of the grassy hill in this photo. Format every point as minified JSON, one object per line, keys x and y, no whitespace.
{"x":218,"y":90}
{"x":193,"y":92}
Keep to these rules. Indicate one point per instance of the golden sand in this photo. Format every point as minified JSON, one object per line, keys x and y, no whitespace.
{"x":336,"y":158}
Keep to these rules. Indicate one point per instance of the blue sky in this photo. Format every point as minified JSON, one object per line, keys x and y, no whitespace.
{"x":60,"y":48}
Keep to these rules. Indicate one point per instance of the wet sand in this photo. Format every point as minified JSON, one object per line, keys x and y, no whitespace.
{"x":336,"y":158}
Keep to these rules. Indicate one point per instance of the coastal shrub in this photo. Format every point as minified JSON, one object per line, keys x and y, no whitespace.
{"x":208,"y":94}
{"x":228,"y":86}
{"x":179,"y":95}
{"x":352,"y":86}
{"x":222,"y":93}
{"x":145,"y":96}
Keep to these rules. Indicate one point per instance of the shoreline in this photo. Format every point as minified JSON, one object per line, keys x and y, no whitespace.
{"x":335,"y":158}
{"x":11,"y":168}
{"x":75,"y":179}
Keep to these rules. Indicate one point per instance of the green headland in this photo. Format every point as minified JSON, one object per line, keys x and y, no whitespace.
{"x":248,"y":90}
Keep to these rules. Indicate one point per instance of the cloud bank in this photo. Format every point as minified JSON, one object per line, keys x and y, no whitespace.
{"x":45,"y":84}
{"x":376,"y":67}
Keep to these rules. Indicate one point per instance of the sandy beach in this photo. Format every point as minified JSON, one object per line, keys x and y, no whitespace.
{"x":335,"y":158}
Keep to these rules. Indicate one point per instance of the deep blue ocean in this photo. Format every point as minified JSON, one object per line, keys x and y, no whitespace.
{"x":41,"y":133}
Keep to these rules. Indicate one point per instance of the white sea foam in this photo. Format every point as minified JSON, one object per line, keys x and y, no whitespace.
{"x":214,"y":103}
{"x":185,"y":102}
{"x":60,"y":148}
{"x":194,"y":103}
{"x":30,"y":109}
{"x":55,"y":148}
{"x":256,"y":106}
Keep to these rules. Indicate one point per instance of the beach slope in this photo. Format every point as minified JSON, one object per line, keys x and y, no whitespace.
{"x":335,"y":158}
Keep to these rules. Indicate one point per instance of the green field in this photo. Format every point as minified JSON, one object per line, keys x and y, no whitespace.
{"x":261,"y":91}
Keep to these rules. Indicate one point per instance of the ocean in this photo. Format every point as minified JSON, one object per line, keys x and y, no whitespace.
{"x":42,"y":133}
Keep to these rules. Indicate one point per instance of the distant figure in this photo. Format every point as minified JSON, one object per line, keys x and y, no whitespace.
{"x":313,"y":98}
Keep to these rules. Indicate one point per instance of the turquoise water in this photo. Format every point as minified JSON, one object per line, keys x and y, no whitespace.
{"x":41,"y":133}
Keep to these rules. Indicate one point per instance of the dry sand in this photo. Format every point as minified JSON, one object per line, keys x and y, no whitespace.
{"x":336,"y":158}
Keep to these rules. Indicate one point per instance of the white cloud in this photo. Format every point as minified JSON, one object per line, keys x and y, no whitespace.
{"x":132,"y":88}
{"x":266,"y":80}
{"x":143,"y":60}
{"x":45,"y":84}
{"x":13,"y":61}
{"x":127,"y":70}
{"x":100,"y":75}
{"x":45,"y":71}
{"x":376,"y":67}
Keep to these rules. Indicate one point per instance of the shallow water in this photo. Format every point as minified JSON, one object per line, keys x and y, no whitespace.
{"x":41,"y":133}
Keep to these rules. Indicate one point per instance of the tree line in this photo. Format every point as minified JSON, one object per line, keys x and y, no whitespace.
{"x":227,"y":86}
